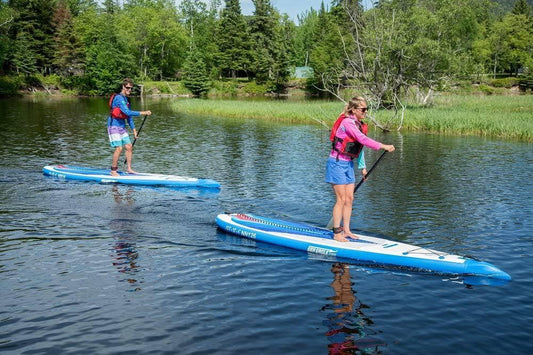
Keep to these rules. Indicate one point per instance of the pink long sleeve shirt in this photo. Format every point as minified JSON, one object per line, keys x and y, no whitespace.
{"x":348,"y":128}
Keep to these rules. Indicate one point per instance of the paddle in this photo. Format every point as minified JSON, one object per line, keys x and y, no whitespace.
{"x":330,"y":223}
{"x":135,"y":140}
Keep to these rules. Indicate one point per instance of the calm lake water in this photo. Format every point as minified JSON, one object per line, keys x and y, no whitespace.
{"x":101,"y":269}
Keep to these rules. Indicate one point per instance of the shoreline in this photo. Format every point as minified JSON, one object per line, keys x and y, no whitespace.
{"x":458,"y":114}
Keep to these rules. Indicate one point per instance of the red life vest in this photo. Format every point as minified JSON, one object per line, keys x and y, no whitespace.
{"x":349,"y":145}
{"x":115,"y":112}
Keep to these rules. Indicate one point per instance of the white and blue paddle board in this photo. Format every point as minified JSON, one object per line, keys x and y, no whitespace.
{"x":104,"y":176}
{"x":367,"y":249}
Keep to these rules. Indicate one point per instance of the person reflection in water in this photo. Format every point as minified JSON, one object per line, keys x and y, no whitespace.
{"x":126,"y":255}
{"x":348,"y":326}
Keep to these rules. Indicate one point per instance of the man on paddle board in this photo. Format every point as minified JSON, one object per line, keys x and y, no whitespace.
{"x":348,"y":137}
{"x":120,"y":112}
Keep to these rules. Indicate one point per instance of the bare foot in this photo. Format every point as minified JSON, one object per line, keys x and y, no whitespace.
{"x":131,"y":171}
{"x":350,"y":235}
{"x":114,"y":173}
{"x":340,"y":238}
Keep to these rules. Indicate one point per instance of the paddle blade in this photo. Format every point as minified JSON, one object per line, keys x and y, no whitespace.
{"x":330,"y":224}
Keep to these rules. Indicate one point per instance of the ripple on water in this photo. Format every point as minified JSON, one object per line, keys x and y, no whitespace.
{"x":98,"y":268}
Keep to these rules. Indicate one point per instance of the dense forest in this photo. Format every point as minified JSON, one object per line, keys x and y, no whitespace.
{"x":87,"y":46}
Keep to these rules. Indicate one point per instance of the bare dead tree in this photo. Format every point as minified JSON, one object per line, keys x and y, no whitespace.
{"x":372,"y":64}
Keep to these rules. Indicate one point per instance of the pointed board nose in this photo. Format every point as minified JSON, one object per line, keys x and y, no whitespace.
{"x":482,"y":268}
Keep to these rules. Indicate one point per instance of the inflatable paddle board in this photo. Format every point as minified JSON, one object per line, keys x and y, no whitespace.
{"x":377,"y":251}
{"x":104,"y":176}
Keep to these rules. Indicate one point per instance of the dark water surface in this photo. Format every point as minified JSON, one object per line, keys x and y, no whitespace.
{"x":102,"y":269}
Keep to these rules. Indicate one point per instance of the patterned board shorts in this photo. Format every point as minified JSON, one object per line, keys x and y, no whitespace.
{"x":118,"y":136}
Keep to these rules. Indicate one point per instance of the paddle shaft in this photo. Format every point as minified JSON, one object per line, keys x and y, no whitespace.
{"x":369,"y":171}
{"x":330,"y":223}
{"x":135,"y":140}
{"x":139,"y":132}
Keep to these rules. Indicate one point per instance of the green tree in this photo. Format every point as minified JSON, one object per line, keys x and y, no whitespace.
{"x":511,"y":42}
{"x":107,"y":58}
{"x":24,"y":59}
{"x":521,"y":7}
{"x":399,"y":44}
{"x":7,"y":17}
{"x":195,"y":74}
{"x":233,"y":56}
{"x":33,"y":27}
{"x":79,"y":6}
{"x":68,"y":52}
{"x":111,"y":6}
{"x":304,"y":38}
{"x":270,"y":60}
{"x":200,"y":20}
{"x":262,"y":32}
{"x":157,"y":41}
{"x":325,"y":51}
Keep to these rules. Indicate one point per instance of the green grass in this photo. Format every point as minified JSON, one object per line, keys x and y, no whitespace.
{"x":508,"y":117}
{"x":265,"y":109}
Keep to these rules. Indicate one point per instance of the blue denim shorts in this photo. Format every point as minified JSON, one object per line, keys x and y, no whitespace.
{"x":340,"y":172}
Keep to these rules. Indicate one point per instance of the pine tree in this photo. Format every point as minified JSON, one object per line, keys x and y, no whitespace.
{"x":270,"y":58}
{"x":233,"y":42}
{"x":327,"y":53}
{"x":111,"y":6}
{"x":7,"y":17}
{"x":34,"y":27}
{"x":521,"y":8}
{"x":262,"y":31}
{"x":195,"y":76}
{"x":68,"y":53}
{"x":23,"y":58}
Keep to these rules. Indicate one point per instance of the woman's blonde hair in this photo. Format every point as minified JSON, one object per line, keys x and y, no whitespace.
{"x":353,"y":104}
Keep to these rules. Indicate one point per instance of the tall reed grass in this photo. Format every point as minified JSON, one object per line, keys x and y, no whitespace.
{"x":285,"y":111}
{"x":508,"y":117}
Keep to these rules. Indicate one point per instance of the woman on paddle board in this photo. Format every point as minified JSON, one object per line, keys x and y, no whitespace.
{"x":120,"y":112}
{"x":348,"y":137}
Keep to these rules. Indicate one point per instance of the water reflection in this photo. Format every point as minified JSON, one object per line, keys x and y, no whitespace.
{"x":124,"y":247}
{"x":348,"y":326}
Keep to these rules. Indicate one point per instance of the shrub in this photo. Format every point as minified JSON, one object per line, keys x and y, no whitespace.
{"x":488,"y":90}
{"x":224,"y":88}
{"x":8,"y":85}
{"x":504,"y":83}
{"x":253,"y":88}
